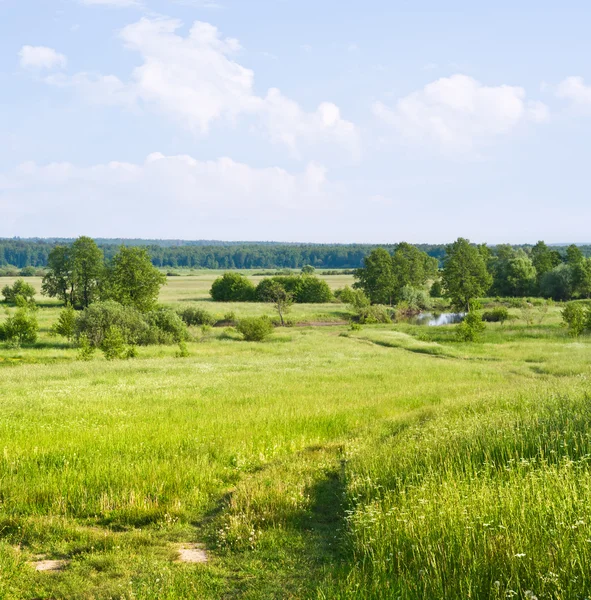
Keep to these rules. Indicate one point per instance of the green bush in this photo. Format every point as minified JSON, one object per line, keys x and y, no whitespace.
{"x":577,"y":317}
{"x":21,"y":327}
{"x":374,"y":314}
{"x":19,"y":288}
{"x":417,"y":299}
{"x":346,"y":295}
{"x":66,"y":323}
{"x":183,"y":351}
{"x":312,"y":290}
{"x":255,"y":329}
{"x":290,"y":283}
{"x":98,"y":318}
{"x":113,"y":344}
{"x":85,"y":348}
{"x":232,"y":287}
{"x":497,"y":315}
{"x":472,"y":326}
{"x":193,"y":315}
{"x":436,"y":290}
{"x":165,"y":327}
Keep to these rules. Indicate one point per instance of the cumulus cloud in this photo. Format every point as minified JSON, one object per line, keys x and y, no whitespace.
{"x":575,"y":90}
{"x":163,"y":196}
{"x":457,"y":113}
{"x":196,"y":81}
{"x":41,"y":57}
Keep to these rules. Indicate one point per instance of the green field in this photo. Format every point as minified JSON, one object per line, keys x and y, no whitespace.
{"x":390,"y":462}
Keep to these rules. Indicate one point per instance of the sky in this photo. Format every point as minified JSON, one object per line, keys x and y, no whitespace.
{"x":296,"y":120}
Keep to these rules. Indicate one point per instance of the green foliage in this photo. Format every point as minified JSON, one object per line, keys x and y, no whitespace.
{"x":374,"y":314}
{"x":232,"y":287}
{"x":183,"y":351}
{"x":558,"y":283}
{"x":376,"y":277}
{"x":95,"y":321}
{"x":132,"y":280}
{"x":194,"y":315}
{"x":86,"y":350}
{"x":113,"y":344}
{"x":255,"y":329}
{"x":28,"y":272}
{"x":66,"y":323}
{"x":281,"y":298}
{"x":19,"y":288}
{"x":577,"y":317}
{"x":544,"y":260}
{"x":436,"y":290}
{"x":165,"y":327}
{"x":20,"y":327}
{"x":470,"y":329}
{"x":465,"y":276}
{"x":58,"y":281}
{"x":416,"y":299}
{"x":308,"y":270}
{"x":87,"y":265}
{"x":497,"y":315}
{"x":312,"y":290}
{"x":346,"y":295}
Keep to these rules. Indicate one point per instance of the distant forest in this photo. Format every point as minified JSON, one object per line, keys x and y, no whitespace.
{"x":211,"y":254}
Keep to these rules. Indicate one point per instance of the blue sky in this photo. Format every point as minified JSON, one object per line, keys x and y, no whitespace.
{"x":295,"y":120}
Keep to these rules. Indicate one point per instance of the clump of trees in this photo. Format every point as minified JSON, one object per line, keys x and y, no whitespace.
{"x":304,"y":288}
{"x":79,"y":276}
{"x":19,"y":289}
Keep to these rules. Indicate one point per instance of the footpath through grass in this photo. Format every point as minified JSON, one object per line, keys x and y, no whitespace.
{"x":390,"y":462}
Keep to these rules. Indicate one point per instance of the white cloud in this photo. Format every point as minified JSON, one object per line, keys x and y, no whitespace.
{"x":575,"y":90}
{"x":114,"y":3}
{"x":41,"y":57}
{"x":191,"y":199}
{"x":195,"y":80}
{"x":457,"y":113}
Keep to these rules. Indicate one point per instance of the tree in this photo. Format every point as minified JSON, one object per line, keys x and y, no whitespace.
{"x":308,"y":270}
{"x":472,"y":326}
{"x":19,"y":289}
{"x":557,"y":283}
{"x":582,"y":278}
{"x":22,"y":326}
{"x":573,"y":255}
{"x":313,"y":290}
{"x":281,"y":299}
{"x":87,"y":269}
{"x":232,"y":287}
{"x":521,"y":275}
{"x":66,"y":323}
{"x":544,"y":260}
{"x":376,"y":277}
{"x":58,"y":282}
{"x":133,"y":280}
{"x":465,"y":276}
{"x":411,"y":268}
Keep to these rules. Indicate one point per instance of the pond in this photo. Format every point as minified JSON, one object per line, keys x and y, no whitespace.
{"x":437,"y":319}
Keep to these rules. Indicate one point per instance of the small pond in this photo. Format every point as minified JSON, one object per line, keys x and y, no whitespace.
{"x":437,"y":319}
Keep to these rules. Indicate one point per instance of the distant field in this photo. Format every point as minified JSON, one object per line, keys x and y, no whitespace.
{"x":391,"y":462}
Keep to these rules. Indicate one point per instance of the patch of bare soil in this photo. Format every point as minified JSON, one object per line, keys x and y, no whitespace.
{"x":191,"y":553}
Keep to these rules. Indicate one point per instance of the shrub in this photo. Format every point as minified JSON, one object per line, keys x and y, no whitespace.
{"x":416,"y":299}
{"x":255,"y":329}
{"x":165,"y":327}
{"x":131,"y":352}
{"x":374,"y":314}
{"x":66,"y":323}
{"x":193,"y":315}
{"x":312,"y":290}
{"x":19,"y":288}
{"x":472,"y":326}
{"x":345,"y":295}
{"x":230,"y":317}
{"x":232,"y":287}
{"x":113,"y":345}
{"x":85,"y":348}
{"x":266,"y":287}
{"x":436,"y":290}
{"x":22,"y":326}
{"x":497,"y":315}
{"x":183,"y":351}
{"x":576,"y":316}
{"x":96,"y":320}
{"x":28,"y":272}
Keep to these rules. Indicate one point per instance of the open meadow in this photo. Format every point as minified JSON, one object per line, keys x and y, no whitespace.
{"x":389,"y":461}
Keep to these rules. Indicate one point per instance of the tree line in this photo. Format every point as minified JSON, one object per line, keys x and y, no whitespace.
{"x":227,"y":255}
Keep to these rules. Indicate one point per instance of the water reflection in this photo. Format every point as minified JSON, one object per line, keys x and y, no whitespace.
{"x":437,"y":319}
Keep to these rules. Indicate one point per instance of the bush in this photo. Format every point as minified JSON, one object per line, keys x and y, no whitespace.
{"x":577,"y":317}
{"x":98,"y":318}
{"x":193,"y":315}
{"x":346,"y":295}
{"x":290,"y":283}
{"x":416,"y":299}
{"x":66,"y":323}
{"x":232,"y":287}
{"x":472,"y":326}
{"x":183,"y":351}
{"x":374,"y":314}
{"x":113,"y":345}
{"x":22,"y":326}
{"x":255,"y":329}
{"x":85,"y":348}
{"x":496,"y":315}
{"x":165,"y":327}
{"x":19,"y":288}
{"x":312,"y":290}
{"x":436,"y":290}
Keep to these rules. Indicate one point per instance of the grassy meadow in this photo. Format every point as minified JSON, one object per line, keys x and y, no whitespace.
{"x":392,"y":462}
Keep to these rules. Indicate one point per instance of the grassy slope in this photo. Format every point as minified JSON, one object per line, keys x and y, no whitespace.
{"x":385,"y":463}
